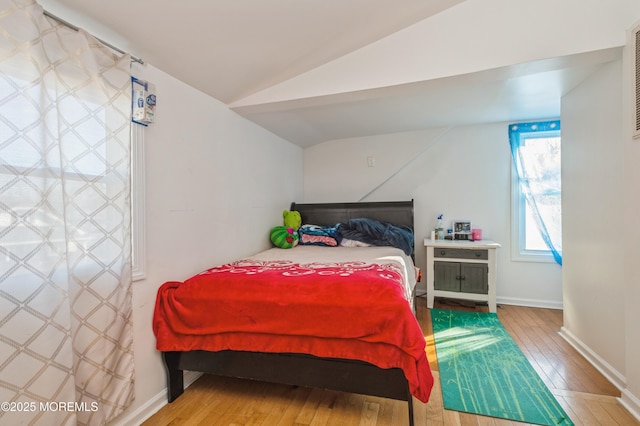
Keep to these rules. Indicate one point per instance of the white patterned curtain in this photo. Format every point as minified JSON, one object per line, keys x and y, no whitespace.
{"x":65,"y":250}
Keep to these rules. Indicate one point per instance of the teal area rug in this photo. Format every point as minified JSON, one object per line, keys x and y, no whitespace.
{"x":482,"y":371}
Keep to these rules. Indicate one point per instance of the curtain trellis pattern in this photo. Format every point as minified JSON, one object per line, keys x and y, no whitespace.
{"x":66,"y":352}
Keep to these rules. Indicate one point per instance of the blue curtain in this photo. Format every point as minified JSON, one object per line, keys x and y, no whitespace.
{"x":539,"y":177}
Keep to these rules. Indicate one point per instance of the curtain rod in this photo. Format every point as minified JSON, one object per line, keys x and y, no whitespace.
{"x":75,"y":28}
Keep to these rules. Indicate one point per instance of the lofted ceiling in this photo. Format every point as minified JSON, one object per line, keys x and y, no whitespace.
{"x":231,"y":49}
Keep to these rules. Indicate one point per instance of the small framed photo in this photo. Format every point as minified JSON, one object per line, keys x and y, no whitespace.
{"x":461,"y":227}
{"x":461,"y":230}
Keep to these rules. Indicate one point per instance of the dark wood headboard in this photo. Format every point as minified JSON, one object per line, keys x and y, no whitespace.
{"x":327,"y":214}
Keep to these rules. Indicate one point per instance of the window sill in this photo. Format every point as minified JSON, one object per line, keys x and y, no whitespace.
{"x":533,"y":257}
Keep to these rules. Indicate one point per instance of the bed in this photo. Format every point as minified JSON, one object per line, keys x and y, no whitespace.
{"x":222,"y":320}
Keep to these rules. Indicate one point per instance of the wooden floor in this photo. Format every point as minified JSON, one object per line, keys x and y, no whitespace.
{"x":583,"y":392}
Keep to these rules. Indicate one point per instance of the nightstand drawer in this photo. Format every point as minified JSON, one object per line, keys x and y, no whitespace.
{"x":459,"y":253}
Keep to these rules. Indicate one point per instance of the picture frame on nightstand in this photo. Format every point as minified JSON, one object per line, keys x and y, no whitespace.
{"x":461,"y":230}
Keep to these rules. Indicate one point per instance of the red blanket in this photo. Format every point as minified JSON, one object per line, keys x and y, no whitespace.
{"x":339,"y":310}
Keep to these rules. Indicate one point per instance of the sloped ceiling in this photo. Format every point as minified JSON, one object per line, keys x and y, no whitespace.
{"x":230,"y":49}
{"x":233,"y":49}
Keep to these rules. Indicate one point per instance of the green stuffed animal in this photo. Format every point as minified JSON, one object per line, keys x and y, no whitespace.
{"x":284,"y":237}
{"x":292,"y":219}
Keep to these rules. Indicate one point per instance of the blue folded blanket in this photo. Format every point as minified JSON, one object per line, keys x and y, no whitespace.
{"x":378,"y":233}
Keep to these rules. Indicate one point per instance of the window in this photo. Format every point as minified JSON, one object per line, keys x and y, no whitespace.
{"x":536,"y":233}
{"x":36,"y":226}
{"x":33,"y":167}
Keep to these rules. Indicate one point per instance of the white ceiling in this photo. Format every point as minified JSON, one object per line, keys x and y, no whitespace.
{"x":516,"y":93}
{"x":231,"y":49}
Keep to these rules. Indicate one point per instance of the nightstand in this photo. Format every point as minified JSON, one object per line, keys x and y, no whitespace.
{"x":461,"y":270}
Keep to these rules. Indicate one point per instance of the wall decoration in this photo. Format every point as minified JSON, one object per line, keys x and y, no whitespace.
{"x":143,"y":101}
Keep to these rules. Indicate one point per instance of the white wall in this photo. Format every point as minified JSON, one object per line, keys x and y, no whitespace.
{"x":463,"y":173}
{"x":215,"y":185}
{"x":631,"y":204}
{"x":600,"y":275}
{"x":593,"y":192}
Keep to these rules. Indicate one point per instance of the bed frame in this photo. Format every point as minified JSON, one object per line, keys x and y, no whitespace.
{"x":299,"y":369}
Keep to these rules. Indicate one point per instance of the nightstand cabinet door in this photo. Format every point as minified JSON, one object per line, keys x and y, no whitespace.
{"x":446,"y":276}
{"x":474,"y":278}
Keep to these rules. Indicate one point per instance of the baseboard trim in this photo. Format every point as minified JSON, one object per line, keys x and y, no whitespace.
{"x":613,"y":375}
{"x":627,"y":399}
{"x":149,"y":408}
{"x":532,"y":303}
{"x":631,"y":403}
